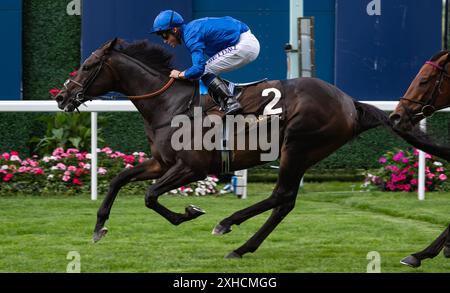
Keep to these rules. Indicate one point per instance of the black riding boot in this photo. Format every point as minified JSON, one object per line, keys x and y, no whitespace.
{"x":228,"y":102}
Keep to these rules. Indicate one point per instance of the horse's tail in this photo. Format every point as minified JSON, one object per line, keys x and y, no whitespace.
{"x":370,"y":117}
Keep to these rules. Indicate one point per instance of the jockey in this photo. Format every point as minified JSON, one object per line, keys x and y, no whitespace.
{"x":227,"y":42}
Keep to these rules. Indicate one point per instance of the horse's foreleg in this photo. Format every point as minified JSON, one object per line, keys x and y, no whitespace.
{"x":149,"y":169}
{"x":177,"y":176}
{"x":443,"y":241}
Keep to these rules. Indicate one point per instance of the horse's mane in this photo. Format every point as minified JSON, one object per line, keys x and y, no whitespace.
{"x":152,"y":55}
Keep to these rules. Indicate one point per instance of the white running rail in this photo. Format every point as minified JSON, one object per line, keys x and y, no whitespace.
{"x":126,"y":106}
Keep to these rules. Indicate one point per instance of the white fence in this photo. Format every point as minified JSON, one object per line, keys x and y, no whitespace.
{"x":126,"y":106}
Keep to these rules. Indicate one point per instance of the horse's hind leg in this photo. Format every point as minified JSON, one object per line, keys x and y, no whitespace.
{"x":147,"y":170}
{"x":278,"y":214}
{"x":282,"y":201}
{"x":443,"y":241}
{"x":177,"y":176}
{"x":287,"y":186}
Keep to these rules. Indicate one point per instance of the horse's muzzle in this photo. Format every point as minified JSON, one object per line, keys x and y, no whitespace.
{"x":400,"y":122}
{"x":395,"y":119}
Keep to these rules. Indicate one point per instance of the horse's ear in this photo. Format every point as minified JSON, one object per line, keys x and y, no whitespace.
{"x":448,"y":57}
{"x":111,"y":45}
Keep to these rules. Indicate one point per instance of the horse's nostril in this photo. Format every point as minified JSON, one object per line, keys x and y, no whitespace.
{"x":394,"y":117}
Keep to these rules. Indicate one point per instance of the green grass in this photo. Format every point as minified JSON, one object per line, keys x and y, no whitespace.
{"x":331,"y":230}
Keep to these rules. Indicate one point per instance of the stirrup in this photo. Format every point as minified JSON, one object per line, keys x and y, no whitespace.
{"x":233,"y":108}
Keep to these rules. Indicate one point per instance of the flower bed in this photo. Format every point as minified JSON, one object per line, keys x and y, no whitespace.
{"x":399,"y":172}
{"x":69,"y":171}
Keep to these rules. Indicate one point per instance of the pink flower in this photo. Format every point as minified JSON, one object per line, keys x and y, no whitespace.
{"x":72,"y":168}
{"x":406,"y":187}
{"x":430,"y":175}
{"x":81,"y":157}
{"x":107,"y":151}
{"x":398,"y":156}
{"x":72,"y":151}
{"x":23,"y":169}
{"x":392,"y":168}
{"x":6,"y":156}
{"x":61,"y":166}
{"x":102,"y":171}
{"x":442,"y":177}
{"x":405,"y":160}
{"x":440,"y":169}
{"x":15,"y":158}
{"x":128,"y":166}
{"x":14,"y":153}
{"x":58,"y":151}
{"x":66,"y":178}
{"x":382,"y":160}
{"x":32,"y":163}
{"x":414,"y":182}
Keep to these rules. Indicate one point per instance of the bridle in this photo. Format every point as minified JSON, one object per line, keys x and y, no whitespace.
{"x":428,"y":107}
{"x":81,"y":97}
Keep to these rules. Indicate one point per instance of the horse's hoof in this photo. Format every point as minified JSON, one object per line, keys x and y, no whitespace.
{"x":220,"y":230}
{"x":447,"y":251}
{"x":233,"y":254}
{"x":98,"y":235}
{"x":411,"y":261}
{"x":194,"y":212}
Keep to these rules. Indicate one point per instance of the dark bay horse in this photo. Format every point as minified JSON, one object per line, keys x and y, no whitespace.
{"x":429,"y":92}
{"x":317,"y":119}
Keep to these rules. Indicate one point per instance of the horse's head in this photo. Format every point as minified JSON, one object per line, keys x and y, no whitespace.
{"x":95,"y":77}
{"x":428,"y":92}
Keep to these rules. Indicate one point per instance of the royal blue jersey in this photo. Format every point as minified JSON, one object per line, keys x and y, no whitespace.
{"x":207,"y":36}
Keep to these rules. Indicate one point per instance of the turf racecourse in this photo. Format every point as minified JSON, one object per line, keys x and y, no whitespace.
{"x":331,"y":229}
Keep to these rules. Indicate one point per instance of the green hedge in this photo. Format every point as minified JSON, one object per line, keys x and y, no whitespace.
{"x":51,"y":46}
{"x":52,"y":50}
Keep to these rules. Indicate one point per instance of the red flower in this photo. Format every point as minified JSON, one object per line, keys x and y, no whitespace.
{"x":55,"y":92}
{"x":38,"y":171}
{"x":128,"y":159}
{"x":14,"y":153}
{"x":77,"y":181}
{"x":8,"y":177}
{"x":74,"y":73}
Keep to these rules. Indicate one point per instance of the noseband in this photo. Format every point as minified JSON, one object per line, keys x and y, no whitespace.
{"x":428,"y":108}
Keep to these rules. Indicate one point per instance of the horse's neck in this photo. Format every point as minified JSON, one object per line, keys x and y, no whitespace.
{"x":136,"y":81}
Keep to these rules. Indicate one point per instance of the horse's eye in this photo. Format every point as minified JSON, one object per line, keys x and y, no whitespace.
{"x":424,"y":81}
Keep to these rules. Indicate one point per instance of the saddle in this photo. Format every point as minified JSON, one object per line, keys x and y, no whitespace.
{"x":235,"y":88}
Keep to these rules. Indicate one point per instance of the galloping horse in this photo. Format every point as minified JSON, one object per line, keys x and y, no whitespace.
{"x":317,"y":119}
{"x":428,"y":93}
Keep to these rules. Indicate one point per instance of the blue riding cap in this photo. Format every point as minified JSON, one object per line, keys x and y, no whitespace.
{"x":166,"y":20}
